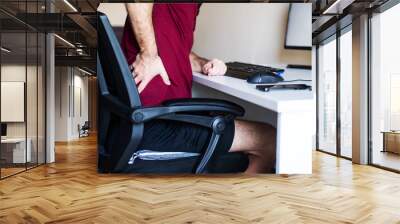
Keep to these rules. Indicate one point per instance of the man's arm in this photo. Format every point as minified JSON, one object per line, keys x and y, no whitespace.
{"x":197,"y":62}
{"x":205,"y":66}
{"x":147,"y":64}
{"x":140,"y":15}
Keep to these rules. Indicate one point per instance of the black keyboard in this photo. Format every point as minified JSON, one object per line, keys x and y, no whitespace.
{"x":243,"y":70}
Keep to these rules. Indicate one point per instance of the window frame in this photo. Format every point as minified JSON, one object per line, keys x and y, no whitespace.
{"x":334,"y":37}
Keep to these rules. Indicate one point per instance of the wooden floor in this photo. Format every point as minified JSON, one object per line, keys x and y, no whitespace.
{"x":5,"y":172}
{"x":70,"y":191}
{"x":386,"y":159}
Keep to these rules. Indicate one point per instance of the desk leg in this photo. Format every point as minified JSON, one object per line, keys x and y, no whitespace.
{"x":294,"y":143}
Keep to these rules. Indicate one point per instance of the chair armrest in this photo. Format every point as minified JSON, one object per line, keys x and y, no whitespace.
{"x":148,"y":113}
{"x":236,"y":109}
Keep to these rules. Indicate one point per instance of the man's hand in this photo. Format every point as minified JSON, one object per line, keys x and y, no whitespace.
{"x":145,"y":68}
{"x":214,"y":67}
{"x":147,"y":64}
{"x":207,"y":67}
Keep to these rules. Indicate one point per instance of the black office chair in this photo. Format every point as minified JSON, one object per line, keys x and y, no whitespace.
{"x":84,"y":129}
{"x":122,"y":117}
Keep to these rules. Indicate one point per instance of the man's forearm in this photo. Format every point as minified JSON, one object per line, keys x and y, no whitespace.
{"x":197,"y":62}
{"x":140,"y":15}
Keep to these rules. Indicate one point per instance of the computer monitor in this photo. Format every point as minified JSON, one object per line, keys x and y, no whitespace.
{"x":3,"y":129}
{"x":299,"y":27}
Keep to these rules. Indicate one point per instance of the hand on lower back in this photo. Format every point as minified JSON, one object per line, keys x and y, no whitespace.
{"x":145,"y":68}
{"x":214,"y":67}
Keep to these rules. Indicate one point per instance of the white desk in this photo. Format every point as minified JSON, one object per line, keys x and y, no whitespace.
{"x":295,"y":110}
{"x":19,"y":153}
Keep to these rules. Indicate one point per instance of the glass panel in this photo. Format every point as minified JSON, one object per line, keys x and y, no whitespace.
{"x":385,"y":89}
{"x":32,"y":98}
{"x":13,"y":88}
{"x":327,"y":97}
{"x":41,"y":98}
{"x":346,"y":94}
{"x":32,"y":86}
{"x":22,"y":88}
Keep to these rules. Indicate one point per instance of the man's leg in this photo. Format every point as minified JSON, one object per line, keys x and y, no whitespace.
{"x":258,"y":141}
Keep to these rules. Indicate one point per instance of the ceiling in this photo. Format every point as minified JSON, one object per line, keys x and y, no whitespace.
{"x":74,"y":21}
{"x":329,"y":16}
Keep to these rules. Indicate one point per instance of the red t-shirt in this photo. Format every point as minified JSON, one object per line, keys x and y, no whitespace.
{"x":174,"y":25}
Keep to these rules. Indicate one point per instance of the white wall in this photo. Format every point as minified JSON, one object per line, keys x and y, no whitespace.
{"x":79,"y":118}
{"x":248,"y":32}
{"x":62,"y":82}
{"x":13,"y":72}
{"x":116,"y":14}
{"x":69,"y":81}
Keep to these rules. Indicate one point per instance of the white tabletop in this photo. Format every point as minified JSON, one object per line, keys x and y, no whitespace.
{"x":13,"y":140}
{"x":275,"y":100}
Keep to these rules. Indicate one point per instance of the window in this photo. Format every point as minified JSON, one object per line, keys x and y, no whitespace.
{"x":327,"y":97}
{"x":385,"y":89}
{"x":346,"y":94}
{"x":335,"y":94}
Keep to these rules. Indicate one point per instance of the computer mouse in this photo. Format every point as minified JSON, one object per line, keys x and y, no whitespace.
{"x":264,"y":78}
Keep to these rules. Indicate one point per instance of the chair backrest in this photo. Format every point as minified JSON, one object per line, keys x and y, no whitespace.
{"x":86,"y":125}
{"x":117,"y":74}
{"x":118,"y":137}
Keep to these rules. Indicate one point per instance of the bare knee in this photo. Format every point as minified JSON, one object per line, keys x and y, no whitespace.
{"x":253,"y":136}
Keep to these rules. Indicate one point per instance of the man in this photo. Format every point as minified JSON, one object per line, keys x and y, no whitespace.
{"x":157,"y":43}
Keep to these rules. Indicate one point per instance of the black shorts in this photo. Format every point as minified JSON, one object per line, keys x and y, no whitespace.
{"x":164,"y":135}
{"x":173,"y":136}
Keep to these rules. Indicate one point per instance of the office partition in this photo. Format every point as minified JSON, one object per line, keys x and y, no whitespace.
{"x":14,"y":145}
{"x":22,"y":77}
